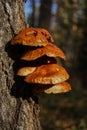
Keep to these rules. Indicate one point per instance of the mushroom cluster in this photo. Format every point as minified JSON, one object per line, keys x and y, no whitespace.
{"x":42,"y":69}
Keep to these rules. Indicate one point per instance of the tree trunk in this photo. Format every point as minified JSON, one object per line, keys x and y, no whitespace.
{"x":16,"y":111}
{"x":33,"y":13}
{"x":82,"y":57}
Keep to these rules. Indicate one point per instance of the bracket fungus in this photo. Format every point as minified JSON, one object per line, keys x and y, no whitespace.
{"x":48,"y":76}
{"x":49,"y":50}
{"x":32,"y":37}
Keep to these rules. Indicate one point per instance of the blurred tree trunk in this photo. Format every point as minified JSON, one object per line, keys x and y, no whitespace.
{"x":45,"y":13}
{"x":33,"y":14}
{"x":16,"y":113}
{"x":67,"y":16}
{"x":82,"y":64}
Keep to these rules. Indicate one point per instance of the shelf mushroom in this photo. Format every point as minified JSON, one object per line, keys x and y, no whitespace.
{"x":32,"y":37}
{"x":58,"y":88}
{"x":49,"y":77}
{"x":25,"y":71}
{"x":52,"y":88}
{"x":47,"y":74}
{"x":49,"y":50}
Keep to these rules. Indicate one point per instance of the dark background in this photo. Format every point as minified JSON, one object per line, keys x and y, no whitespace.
{"x":66,"y":20}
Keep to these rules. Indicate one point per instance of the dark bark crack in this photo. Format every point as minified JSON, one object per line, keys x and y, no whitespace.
{"x":8,"y":17}
{"x":17,"y":112}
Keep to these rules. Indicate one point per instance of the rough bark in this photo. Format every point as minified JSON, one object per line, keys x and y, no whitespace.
{"x":17,"y":111}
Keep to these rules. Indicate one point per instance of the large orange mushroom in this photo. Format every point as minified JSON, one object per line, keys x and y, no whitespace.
{"x":48,"y":76}
{"x":32,"y":37}
{"x":49,"y":50}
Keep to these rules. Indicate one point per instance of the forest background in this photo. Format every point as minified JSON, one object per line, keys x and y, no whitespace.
{"x":66,"y":20}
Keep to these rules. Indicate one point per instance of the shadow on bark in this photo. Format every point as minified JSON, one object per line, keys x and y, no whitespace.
{"x":20,"y":88}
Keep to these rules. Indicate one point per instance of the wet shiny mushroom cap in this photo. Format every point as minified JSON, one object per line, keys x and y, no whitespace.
{"x":32,"y":37}
{"x":58,"y":88}
{"x":48,"y":74}
{"x":25,"y":71}
{"x":52,"y":88}
{"x":49,"y":50}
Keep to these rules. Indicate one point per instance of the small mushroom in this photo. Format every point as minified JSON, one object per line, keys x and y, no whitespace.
{"x":50,"y":50}
{"x":25,"y":71}
{"x":52,"y":88}
{"x":32,"y":37}
{"x":58,"y":88}
{"x":47,"y":74}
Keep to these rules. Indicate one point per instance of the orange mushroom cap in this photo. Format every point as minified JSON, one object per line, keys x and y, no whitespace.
{"x":58,"y":88}
{"x":47,"y":74}
{"x":50,"y":50}
{"x":25,"y":71}
{"x":32,"y":37}
{"x":52,"y":88}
